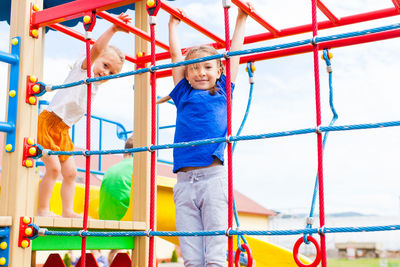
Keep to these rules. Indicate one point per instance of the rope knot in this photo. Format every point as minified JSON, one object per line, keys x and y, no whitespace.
{"x":314,"y":41}
{"x":226,"y":3}
{"x":42,"y":231}
{"x":45,"y":152}
{"x":152,"y":20}
{"x":49,"y":87}
{"x":226,"y":55}
{"x":82,"y":233}
{"x":148,"y":233}
{"x":227,"y":232}
{"x":321,"y":230}
{"x":309,"y":220}
{"x":88,"y":35}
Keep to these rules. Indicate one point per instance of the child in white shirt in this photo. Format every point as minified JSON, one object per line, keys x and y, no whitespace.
{"x":67,"y":107}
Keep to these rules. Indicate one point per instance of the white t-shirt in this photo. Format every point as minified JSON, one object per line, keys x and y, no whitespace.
{"x":70,"y":103}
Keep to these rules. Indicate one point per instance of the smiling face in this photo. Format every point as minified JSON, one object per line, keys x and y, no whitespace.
{"x":108,"y":63}
{"x":203,"y":75}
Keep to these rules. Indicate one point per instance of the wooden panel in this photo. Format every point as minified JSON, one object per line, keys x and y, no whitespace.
{"x":5,"y":220}
{"x":142,"y":127}
{"x":18,"y":183}
{"x":62,"y":222}
{"x":50,"y":222}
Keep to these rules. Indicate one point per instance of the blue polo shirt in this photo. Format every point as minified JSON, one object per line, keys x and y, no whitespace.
{"x":200,"y":115}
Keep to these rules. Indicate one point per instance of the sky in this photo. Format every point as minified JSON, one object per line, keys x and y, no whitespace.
{"x":361,"y":169}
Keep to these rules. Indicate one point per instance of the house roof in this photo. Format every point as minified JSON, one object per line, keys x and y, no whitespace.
{"x":247,"y":205}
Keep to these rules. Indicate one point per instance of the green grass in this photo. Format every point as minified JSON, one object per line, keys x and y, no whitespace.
{"x":363,"y":263}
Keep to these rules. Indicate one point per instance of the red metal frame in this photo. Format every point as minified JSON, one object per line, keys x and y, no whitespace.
{"x":38,"y":18}
{"x":80,"y":7}
{"x":307,"y":48}
{"x":362,"y":17}
{"x":328,"y":44}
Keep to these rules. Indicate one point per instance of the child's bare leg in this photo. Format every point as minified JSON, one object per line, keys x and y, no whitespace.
{"x":47,"y":184}
{"x":68,"y":170}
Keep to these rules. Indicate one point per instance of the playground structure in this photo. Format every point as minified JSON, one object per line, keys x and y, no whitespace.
{"x":17,"y":177}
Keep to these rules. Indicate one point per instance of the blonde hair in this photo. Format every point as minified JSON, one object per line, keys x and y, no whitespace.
{"x":195,"y":52}
{"x":120,"y":55}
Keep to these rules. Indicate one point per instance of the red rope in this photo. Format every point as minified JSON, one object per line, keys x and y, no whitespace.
{"x":153,"y":142}
{"x":319,"y":134}
{"x":229,"y":133}
{"x":87,"y":172}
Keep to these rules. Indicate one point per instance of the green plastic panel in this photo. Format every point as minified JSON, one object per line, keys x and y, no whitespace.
{"x":75,"y":242}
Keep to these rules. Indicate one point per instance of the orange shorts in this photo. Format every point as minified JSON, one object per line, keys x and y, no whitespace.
{"x":53,"y":134}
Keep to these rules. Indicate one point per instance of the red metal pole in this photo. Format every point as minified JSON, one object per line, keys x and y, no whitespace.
{"x":74,"y":9}
{"x":396,"y":4}
{"x":81,"y":37}
{"x":327,"y":12}
{"x":243,"y":6}
{"x":130,"y":28}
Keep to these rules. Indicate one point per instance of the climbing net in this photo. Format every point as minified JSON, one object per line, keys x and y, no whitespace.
{"x":314,"y":44}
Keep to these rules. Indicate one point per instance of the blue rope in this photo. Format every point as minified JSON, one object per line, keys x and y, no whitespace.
{"x":232,"y":139}
{"x":334,"y":118}
{"x":231,"y":53}
{"x":322,"y":230}
{"x":250,"y":72}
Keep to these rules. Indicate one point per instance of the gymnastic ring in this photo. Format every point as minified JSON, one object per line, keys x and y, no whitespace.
{"x":296,"y":252}
{"x":249,"y":256}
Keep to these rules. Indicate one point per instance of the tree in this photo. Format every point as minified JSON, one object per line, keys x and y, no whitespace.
{"x":174,"y":257}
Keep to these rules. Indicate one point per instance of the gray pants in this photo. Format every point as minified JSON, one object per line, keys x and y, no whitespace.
{"x":201,"y":203}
